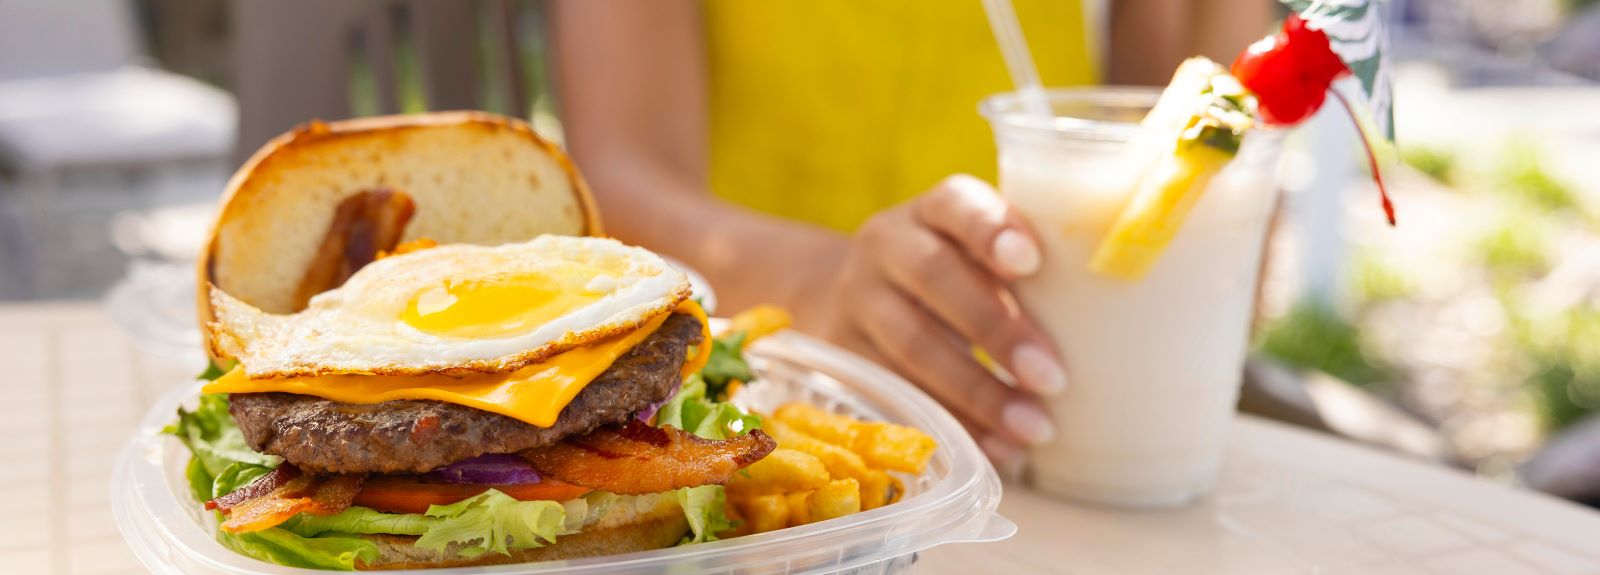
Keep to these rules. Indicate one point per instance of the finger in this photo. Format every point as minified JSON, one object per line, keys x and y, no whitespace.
{"x":917,"y":345}
{"x":1009,"y":458}
{"x":972,"y":214}
{"x":973,"y":303}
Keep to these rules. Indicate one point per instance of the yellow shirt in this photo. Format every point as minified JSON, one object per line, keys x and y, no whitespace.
{"x":829,"y":110}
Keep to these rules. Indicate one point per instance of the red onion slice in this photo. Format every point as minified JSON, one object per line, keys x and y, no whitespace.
{"x":649,"y":411}
{"x":490,"y":469}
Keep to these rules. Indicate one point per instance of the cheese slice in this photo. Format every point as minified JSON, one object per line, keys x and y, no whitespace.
{"x":535,"y":394}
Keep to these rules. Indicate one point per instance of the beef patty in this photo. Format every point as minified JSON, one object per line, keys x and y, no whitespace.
{"x":324,"y":436}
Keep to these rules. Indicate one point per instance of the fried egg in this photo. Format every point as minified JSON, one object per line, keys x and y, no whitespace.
{"x":456,"y":309}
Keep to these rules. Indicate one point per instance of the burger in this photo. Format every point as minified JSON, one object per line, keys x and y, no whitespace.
{"x":424,"y":355}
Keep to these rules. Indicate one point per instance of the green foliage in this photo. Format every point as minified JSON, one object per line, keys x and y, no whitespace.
{"x":1375,"y":281}
{"x":1314,"y":337}
{"x":1515,"y":247}
{"x":1434,"y":162}
{"x":1573,"y":7}
{"x":1522,"y":175}
{"x":1562,"y":352}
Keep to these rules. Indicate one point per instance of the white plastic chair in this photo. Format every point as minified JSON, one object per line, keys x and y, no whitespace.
{"x":74,"y":96}
{"x":72,"y":93}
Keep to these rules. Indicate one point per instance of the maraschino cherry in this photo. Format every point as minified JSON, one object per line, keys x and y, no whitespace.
{"x":1290,"y":73}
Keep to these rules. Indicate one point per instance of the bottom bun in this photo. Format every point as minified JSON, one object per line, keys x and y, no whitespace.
{"x":663,"y":525}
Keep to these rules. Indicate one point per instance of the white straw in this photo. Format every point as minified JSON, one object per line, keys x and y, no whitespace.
{"x":1014,"y":48}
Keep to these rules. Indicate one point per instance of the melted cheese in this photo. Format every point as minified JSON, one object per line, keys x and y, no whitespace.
{"x":535,"y":394}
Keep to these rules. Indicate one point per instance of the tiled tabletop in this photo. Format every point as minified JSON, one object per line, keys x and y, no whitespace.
{"x":1296,"y":502}
{"x":1290,"y":501}
{"x":74,"y":387}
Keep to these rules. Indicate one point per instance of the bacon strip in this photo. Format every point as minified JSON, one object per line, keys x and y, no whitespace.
{"x":364,"y":225}
{"x":638,"y":458}
{"x":261,"y":486}
{"x":303,"y":494}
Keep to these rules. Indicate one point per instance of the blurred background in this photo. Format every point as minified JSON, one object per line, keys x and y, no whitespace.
{"x":1469,"y":335}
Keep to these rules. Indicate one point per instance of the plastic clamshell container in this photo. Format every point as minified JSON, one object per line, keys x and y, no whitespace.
{"x":952,"y":501}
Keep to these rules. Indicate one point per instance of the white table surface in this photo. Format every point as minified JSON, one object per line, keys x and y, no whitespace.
{"x":1290,"y":501}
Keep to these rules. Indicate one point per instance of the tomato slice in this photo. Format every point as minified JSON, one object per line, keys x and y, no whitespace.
{"x":412,"y":494}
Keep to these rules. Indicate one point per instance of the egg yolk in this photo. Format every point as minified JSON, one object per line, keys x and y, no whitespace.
{"x":486,"y":308}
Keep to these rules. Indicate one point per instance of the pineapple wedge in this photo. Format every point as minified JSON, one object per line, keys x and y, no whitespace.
{"x":1190,"y":134}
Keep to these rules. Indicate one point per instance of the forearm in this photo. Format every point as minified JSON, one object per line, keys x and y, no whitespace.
{"x":631,"y":81}
{"x":749,"y":258}
{"x":1148,"y":40}
{"x":1220,"y":29}
{"x":1150,"y":37}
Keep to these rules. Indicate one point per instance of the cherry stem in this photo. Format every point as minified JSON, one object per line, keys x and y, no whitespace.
{"x":1372,"y":155}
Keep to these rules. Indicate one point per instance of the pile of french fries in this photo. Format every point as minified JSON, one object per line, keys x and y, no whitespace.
{"x":826,"y":466}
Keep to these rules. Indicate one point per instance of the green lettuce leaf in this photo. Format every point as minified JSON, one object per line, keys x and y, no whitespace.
{"x":214,"y":370}
{"x":456,"y":525}
{"x":726,"y":364}
{"x":280,"y":546}
{"x":236,"y":475}
{"x":493,"y":522}
{"x":199,"y":481}
{"x":361,"y":520}
{"x":214,"y":439}
{"x":704,"y":507}
{"x":691,"y":410}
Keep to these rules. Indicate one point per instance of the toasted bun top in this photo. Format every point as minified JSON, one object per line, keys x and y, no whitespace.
{"x":474,"y":177}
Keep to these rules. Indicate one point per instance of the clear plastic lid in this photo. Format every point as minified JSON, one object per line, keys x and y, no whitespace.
{"x":953,"y":501}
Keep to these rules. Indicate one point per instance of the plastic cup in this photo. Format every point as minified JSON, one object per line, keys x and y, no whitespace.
{"x":1153,"y":364}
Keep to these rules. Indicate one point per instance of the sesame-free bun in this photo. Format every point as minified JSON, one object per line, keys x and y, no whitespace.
{"x":475,"y":178}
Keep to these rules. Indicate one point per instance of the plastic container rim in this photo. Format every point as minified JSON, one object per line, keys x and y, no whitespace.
{"x":965,"y":497}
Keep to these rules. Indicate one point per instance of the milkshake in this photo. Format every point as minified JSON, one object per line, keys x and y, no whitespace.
{"x":1154,"y":349}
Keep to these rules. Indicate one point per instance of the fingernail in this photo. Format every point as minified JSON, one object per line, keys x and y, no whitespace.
{"x":1016,"y":253}
{"x":1038,"y":370}
{"x":1029,"y":422}
{"x":1008,"y":458}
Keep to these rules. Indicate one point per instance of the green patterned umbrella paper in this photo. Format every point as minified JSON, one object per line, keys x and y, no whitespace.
{"x":1355,"y":28}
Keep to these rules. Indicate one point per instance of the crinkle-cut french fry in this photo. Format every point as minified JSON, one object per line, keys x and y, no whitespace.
{"x":764,"y":512}
{"x":895,"y":447}
{"x":782,"y":471}
{"x":841,"y":462}
{"x":883,"y":445}
{"x":799,"y":507}
{"x":830,"y":427}
{"x":875,"y":489}
{"x":741,"y":526}
{"x":838,"y":498}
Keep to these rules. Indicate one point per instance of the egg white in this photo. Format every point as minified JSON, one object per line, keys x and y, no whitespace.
{"x":356,"y":328}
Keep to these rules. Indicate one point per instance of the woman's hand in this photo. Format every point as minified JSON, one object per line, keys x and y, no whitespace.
{"x":925,"y":281}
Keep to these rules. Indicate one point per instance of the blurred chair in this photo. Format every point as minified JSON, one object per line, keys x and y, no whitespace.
{"x":297,"y":60}
{"x":1319,"y":401}
{"x":1569,"y":465}
{"x":73,"y":95}
{"x":1576,"y":48}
